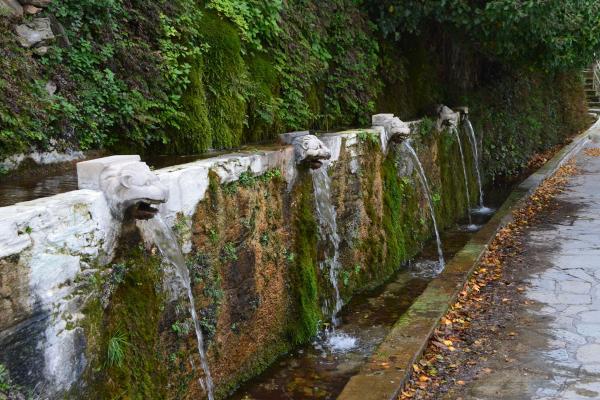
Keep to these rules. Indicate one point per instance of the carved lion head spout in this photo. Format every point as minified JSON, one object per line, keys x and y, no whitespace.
{"x":396,"y":129}
{"x":399,"y":130}
{"x":308,"y":149}
{"x":131,"y":189}
{"x":447,"y":118}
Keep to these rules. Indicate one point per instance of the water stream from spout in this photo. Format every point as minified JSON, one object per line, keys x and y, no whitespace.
{"x":427,"y":191}
{"x":464,"y":167}
{"x":475,"y":147}
{"x":158,"y":232}
{"x":327,"y":216}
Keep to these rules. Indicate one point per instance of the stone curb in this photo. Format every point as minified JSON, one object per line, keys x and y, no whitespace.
{"x":386,"y":372}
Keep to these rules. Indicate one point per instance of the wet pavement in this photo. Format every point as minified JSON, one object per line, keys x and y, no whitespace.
{"x":554,"y":352}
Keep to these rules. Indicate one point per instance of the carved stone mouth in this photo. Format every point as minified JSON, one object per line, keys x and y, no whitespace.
{"x":315,"y":164}
{"x":144,"y":210}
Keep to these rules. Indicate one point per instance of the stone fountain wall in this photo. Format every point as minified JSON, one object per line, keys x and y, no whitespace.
{"x":74,"y":282}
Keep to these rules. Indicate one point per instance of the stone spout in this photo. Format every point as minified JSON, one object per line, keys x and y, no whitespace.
{"x":396,"y":129}
{"x":308,"y":149}
{"x":131,"y":189}
{"x":447,"y":118}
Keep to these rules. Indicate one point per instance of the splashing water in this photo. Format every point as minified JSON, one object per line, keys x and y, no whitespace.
{"x":464,"y":166}
{"x":159,"y":233}
{"x":427,"y":191}
{"x":340,"y":342}
{"x":328,"y":230}
{"x":473,"y":139}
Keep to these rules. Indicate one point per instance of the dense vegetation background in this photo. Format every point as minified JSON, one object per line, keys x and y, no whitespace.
{"x":184,"y":76}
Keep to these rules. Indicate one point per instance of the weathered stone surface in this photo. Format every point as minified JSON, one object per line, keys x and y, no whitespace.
{"x":88,"y":172}
{"x":381,"y":119}
{"x":37,"y":3}
{"x":35,"y":32}
{"x":11,"y":8}
{"x":50,"y":87}
{"x":40,"y":51}
{"x":589,"y":353}
{"x":43,"y":245}
{"x":126,"y":182}
{"x":14,"y":293}
{"x":31,"y":9}
{"x":395,"y":129}
{"x":447,"y":118}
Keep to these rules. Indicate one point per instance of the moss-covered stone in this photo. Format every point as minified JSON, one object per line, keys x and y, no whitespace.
{"x":241,"y":266}
{"x":304,"y":275}
{"x":127,"y":315}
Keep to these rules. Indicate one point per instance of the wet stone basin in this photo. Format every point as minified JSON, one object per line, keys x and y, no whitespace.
{"x":321,"y":369}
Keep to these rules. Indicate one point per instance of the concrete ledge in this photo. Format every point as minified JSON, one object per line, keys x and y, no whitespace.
{"x":386,"y":372}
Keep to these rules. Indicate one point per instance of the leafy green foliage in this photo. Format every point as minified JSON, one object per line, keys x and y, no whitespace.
{"x":256,"y":20}
{"x":186,"y":76}
{"x":327,"y":47}
{"x":115,"y":352}
{"x":523,"y":114}
{"x":4,"y":378}
{"x":555,"y":35}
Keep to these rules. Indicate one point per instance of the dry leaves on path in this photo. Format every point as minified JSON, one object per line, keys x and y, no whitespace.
{"x":592,"y":152}
{"x":454,"y":346}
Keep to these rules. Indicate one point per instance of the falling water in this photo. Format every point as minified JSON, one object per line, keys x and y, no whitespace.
{"x":156,"y":231}
{"x":328,"y":230}
{"x":464,"y":167}
{"x":473,"y":139}
{"x":427,"y":191}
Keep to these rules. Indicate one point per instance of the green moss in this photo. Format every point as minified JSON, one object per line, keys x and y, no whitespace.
{"x":215,"y":101}
{"x":226,"y":78}
{"x":195,"y":133}
{"x":522,"y":113}
{"x":393,"y":193}
{"x":134,"y":314}
{"x":403,"y":214}
{"x":304,"y":280}
{"x":263,"y":103}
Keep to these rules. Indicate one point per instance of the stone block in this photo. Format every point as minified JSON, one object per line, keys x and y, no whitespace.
{"x":289,"y":137}
{"x":381,"y":119}
{"x":88,"y":172}
{"x":36,"y":3}
{"x":11,"y":8}
{"x":34,"y":32}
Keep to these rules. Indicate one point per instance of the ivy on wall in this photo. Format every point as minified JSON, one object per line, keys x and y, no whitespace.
{"x":552,"y":35}
{"x":184,"y":76}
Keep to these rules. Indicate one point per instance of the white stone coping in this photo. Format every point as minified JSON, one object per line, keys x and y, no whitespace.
{"x":23,"y":222}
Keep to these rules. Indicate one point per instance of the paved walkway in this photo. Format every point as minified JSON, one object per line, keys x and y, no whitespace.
{"x":556,"y":353}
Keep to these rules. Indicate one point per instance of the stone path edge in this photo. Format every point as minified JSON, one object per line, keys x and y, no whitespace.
{"x":385,"y":373}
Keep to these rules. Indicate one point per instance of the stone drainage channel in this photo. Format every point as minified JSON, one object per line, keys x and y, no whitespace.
{"x":383,"y":332}
{"x":383,"y":375}
{"x":321,"y":369}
